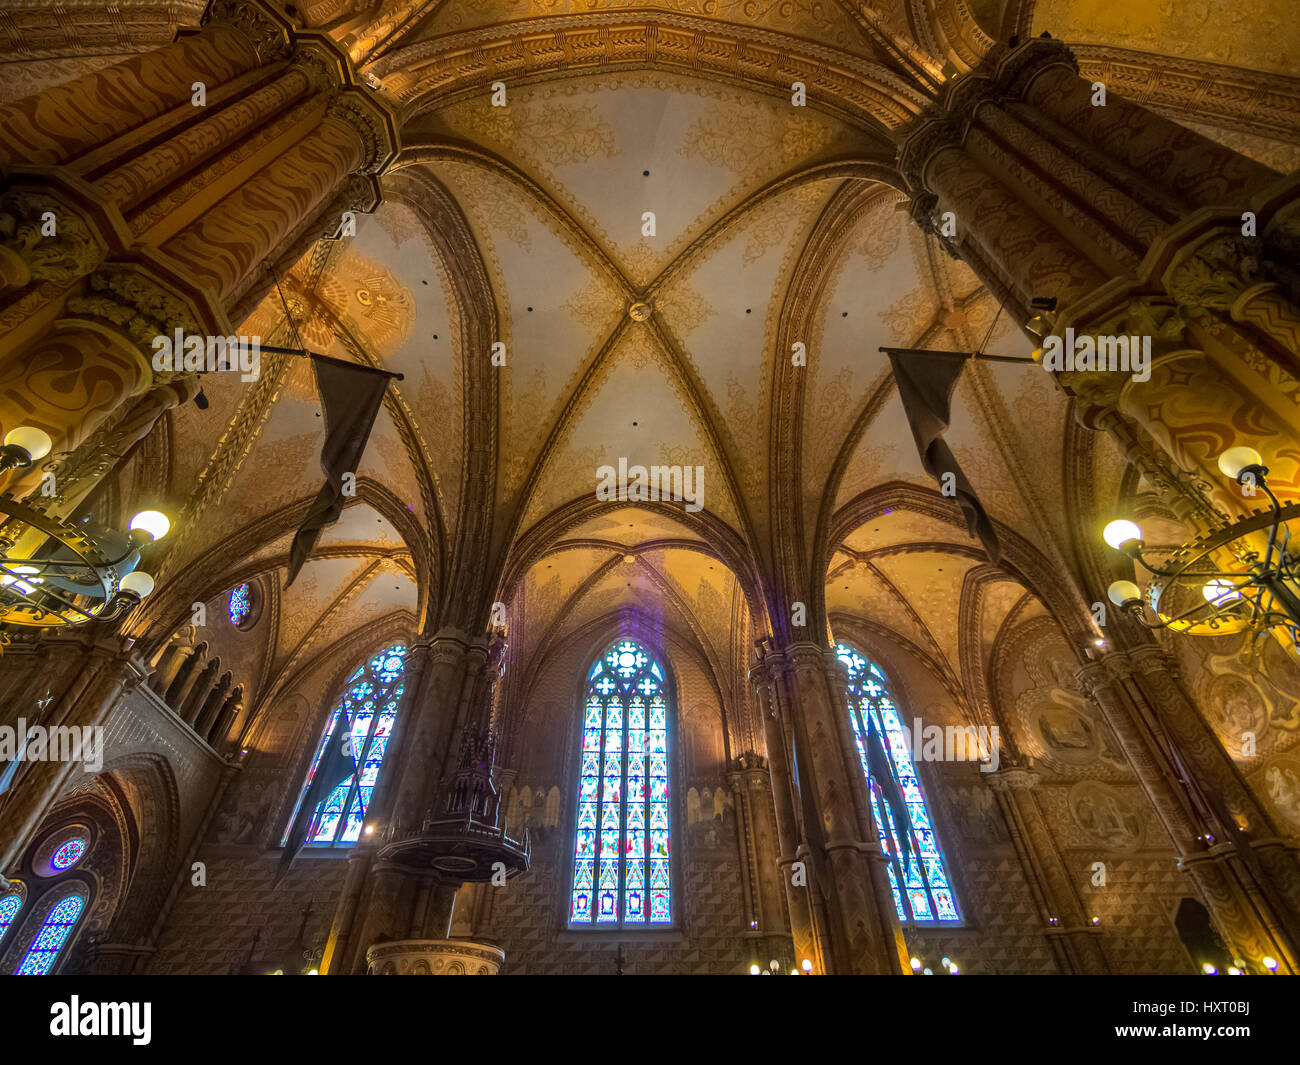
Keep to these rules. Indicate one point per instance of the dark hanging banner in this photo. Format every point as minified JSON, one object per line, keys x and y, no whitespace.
{"x":882,"y":772}
{"x":337,"y":764}
{"x":350,"y":395}
{"x":926,"y":380}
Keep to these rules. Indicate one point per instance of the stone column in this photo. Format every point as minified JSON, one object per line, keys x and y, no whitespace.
{"x":230,"y":709}
{"x":853,"y":913}
{"x":134,"y":210}
{"x":1134,"y":226}
{"x":179,"y":688}
{"x":190,"y":706}
{"x":448,"y":688}
{"x":207,"y":713}
{"x":781,"y":781}
{"x":1075,"y":941}
{"x":1247,"y":876}
{"x":755,"y":830}
{"x":169,"y":663}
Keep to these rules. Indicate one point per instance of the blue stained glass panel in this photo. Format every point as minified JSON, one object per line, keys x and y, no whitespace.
{"x":9,"y":907}
{"x":366,"y":710}
{"x":922,"y":891}
{"x":240,"y":604}
{"x":623,"y":789}
{"x":58,"y":925}
{"x":68,"y":855}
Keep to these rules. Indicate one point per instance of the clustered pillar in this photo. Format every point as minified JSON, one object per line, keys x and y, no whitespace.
{"x":148,"y":196}
{"x":841,"y":907}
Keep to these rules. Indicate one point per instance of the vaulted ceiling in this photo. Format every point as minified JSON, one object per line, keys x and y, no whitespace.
{"x":527,"y":225}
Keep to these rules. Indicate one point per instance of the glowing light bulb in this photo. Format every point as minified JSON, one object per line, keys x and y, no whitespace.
{"x":1209,"y":970}
{"x":152,"y":522}
{"x":1236,"y":459}
{"x":1121,"y":592}
{"x":916,"y":965}
{"x":807,"y":965}
{"x":1121,"y":531}
{"x":754,"y":970}
{"x":137,"y":582}
{"x":1270,"y":964}
{"x":27,"y":438}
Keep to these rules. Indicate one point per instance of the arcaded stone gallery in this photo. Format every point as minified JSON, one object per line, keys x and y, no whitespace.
{"x":540,"y":487}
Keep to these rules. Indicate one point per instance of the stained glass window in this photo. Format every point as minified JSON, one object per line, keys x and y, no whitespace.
{"x":241,"y":604}
{"x":367,"y":710}
{"x":54,"y":933}
{"x":621,"y":871}
{"x":917,"y":875}
{"x":9,"y":907}
{"x":68,"y":855}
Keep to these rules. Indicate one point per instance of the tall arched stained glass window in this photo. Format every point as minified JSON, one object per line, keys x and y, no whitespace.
{"x":621,"y":866}
{"x":367,"y":710}
{"x":9,"y":907}
{"x":922,"y":891}
{"x":49,"y":941}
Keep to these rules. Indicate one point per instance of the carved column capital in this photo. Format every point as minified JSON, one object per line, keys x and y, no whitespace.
{"x":269,"y":34}
{"x":135,"y":301}
{"x":1216,"y":275}
{"x":1103,"y":672}
{"x":1012,"y":778}
{"x":362,"y":112}
{"x":32,"y":252}
{"x":1017,"y":69}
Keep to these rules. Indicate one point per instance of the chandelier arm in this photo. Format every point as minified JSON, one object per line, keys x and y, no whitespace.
{"x":1139,"y":615}
{"x":1272,"y":529}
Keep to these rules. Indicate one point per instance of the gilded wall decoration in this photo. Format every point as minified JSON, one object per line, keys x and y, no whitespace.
{"x":555,"y":132}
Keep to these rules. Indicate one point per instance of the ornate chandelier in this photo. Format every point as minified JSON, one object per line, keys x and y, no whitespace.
{"x":79,"y":572}
{"x":1240,"y":577}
